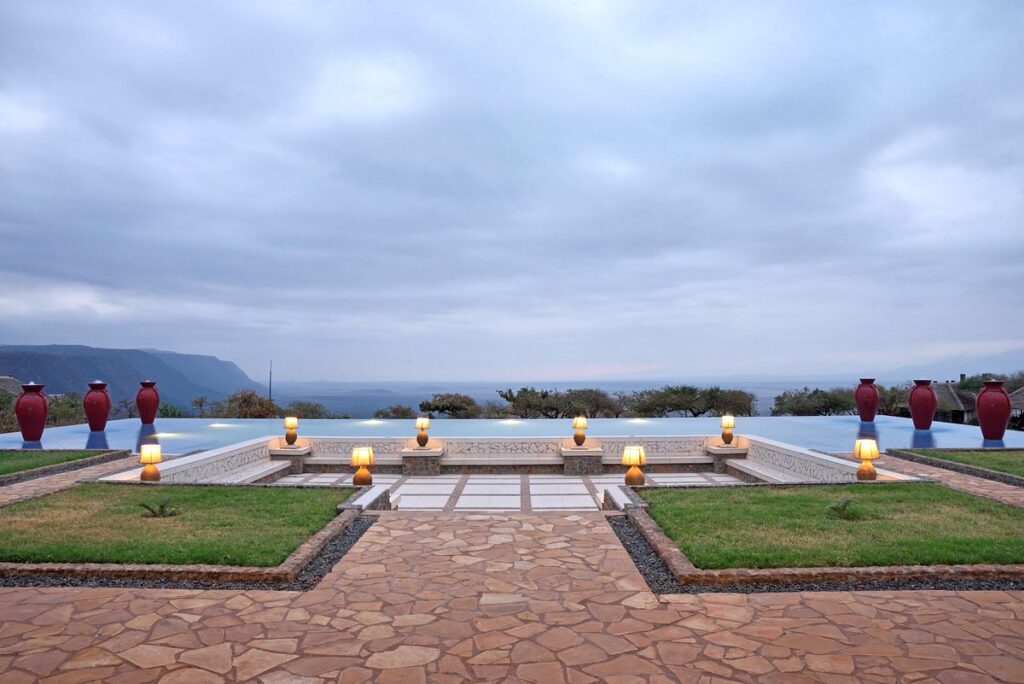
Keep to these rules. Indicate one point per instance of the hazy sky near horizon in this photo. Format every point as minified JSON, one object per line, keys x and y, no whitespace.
{"x":515,"y":190}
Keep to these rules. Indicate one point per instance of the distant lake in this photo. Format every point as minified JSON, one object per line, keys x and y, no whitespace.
{"x":361,"y":400}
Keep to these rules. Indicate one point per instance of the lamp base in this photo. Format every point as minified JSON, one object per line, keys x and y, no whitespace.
{"x":579,"y":438}
{"x":290,"y":437}
{"x":634,"y":477}
{"x":727,"y":436}
{"x":422,"y":439}
{"x":866,"y":471}
{"x":150,"y":474}
{"x":362,"y":477}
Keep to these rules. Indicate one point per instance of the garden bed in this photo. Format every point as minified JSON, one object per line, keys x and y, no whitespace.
{"x":226,"y":532}
{"x":18,"y":465}
{"x":999,"y":465}
{"x":891,"y":532}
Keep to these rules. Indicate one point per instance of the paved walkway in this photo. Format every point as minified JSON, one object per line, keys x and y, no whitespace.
{"x":979,"y":486}
{"x":527,"y":597}
{"x":503,"y":492}
{"x":55,"y":483}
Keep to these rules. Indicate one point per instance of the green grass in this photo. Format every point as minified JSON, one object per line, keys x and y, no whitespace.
{"x":893,"y":524}
{"x":1011,"y":462}
{"x":17,"y":460}
{"x":222,"y":525}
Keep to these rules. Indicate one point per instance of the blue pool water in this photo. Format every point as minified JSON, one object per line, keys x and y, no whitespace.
{"x":825,"y":433}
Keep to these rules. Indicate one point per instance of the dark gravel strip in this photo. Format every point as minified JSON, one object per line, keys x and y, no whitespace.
{"x":58,"y":468}
{"x":962,"y":468}
{"x":662,"y":581}
{"x":315,"y":570}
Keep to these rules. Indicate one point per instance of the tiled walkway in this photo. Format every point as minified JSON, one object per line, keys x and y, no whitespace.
{"x":524,"y":597}
{"x":503,"y":492}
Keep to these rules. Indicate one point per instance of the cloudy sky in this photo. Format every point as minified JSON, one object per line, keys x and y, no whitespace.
{"x":524,"y":190}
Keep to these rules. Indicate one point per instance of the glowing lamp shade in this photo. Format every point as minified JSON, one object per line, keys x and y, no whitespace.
{"x":634,"y":457}
{"x":149,"y":456}
{"x":728,"y":423}
{"x":579,"y":424}
{"x":866,"y":451}
{"x":290,"y":423}
{"x":422,"y":424}
{"x":362,"y":457}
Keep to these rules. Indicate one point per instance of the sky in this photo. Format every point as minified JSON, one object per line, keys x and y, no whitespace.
{"x":515,"y":190}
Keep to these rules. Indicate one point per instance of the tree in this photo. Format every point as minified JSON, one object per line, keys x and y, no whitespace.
{"x":528,"y":402}
{"x":168,"y":410}
{"x":592,"y":403}
{"x":734,"y":401}
{"x":395,"y":411}
{"x":199,"y":404}
{"x":245,"y":404}
{"x":66,"y":410}
{"x":306,"y":409}
{"x":125,"y":408}
{"x":677,"y":400}
{"x":892,"y":399}
{"x":817,"y":402}
{"x":451,"y":404}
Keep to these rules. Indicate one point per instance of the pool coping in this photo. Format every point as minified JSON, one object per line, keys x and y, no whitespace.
{"x":962,"y":468}
{"x":687,"y":573}
{"x":102,"y":456}
{"x":282,"y":573}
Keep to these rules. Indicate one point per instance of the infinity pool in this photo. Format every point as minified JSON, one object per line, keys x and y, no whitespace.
{"x":825,"y":433}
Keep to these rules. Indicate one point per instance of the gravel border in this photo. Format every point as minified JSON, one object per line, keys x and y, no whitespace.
{"x":66,"y":467}
{"x":962,"y":468}
{"x":661,"y":580}
{"x":307,"y":579}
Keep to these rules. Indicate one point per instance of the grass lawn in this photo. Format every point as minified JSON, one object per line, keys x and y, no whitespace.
{"x":1011,"y":462}
{"x":17,"y":460}
{"x":895,"y":524}
{"x":104,"y":523}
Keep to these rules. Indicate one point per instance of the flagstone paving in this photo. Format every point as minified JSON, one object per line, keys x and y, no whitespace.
{"x":55,"y":483}
{"x":520,"y":597}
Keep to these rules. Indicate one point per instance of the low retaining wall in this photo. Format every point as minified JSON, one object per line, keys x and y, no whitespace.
{"x":66,"y":467}
{"x":205,"y":465}
{"x":963,"y":468}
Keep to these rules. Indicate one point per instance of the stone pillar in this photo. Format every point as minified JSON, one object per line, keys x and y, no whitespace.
{"x":420,"y":462}
{"x":582,"y":461}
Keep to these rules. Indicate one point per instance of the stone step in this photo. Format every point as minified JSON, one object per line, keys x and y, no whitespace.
{"x":264,"y":470}
{"x":763,"y":472}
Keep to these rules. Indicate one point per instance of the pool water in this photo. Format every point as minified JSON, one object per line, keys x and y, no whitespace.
{"x":824,"y":433}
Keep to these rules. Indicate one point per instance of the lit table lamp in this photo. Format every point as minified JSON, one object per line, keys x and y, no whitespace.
{"x":866,"y":451}
{"x":362,"y":457}
{"x":149,"y":456}
{"x":422,"y":424}
{"x":579,"y":424}
{"x":728,"y":423}
{"x":634,"y":457}
{"x":290,"y":424}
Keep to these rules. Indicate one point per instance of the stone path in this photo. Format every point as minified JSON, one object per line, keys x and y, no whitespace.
{"x":520,"y":597}
{"x":59,"y":481}
{"x":990,"y":489}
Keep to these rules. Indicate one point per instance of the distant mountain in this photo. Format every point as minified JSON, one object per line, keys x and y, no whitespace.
{"x":180,"y":377}
{"x":951,"y":368}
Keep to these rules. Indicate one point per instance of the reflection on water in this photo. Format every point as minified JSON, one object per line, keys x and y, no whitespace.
{"x":32,"y":445}
{"x":97,"y":440}
{"x":993,"y":444}
{"x":867,"y":431}
{"x":922,"y":439}
{"x":147,"y":435}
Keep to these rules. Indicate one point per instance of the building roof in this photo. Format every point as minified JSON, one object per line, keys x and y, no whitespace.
{"x":1017,"y":399}
{"x":10,"y":384}
{"x":952,"y":399}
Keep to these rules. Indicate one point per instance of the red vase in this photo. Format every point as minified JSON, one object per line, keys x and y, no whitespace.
{"x":147,"y":401}
{"x":993,"y":406}
{"x":97,"y":406}
{"x":31,"y":408}
{"x":923,"y":403}
{"x":867,"y":399}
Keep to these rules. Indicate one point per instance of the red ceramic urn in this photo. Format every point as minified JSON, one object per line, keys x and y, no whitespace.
{"x":147,"y":401}
{"x":31,"y":408}
{"x":923,"y":403}
{"x":97,"y":405}
{"x":993,"y":406}
{"x":867,"y":399}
